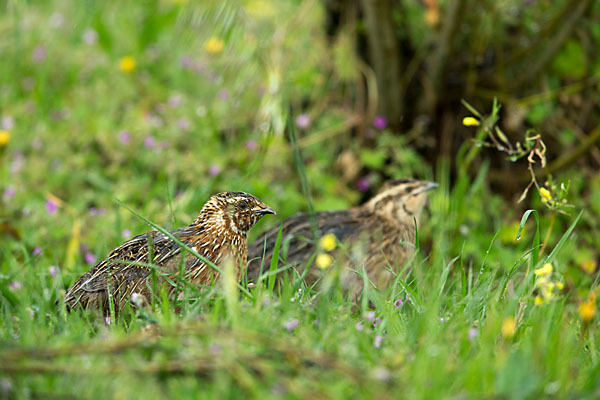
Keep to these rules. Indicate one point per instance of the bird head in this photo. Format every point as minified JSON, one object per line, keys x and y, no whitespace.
{"x":237,"y":211}
{"x":401,"y":199}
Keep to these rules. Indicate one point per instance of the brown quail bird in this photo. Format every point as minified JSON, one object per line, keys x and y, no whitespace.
{"x":377,"y":234}
{"x":217,"y":233}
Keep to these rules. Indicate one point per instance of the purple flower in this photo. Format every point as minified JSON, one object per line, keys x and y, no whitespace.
{"x":398,"y":303}
{"x":124,"y":137}
{"x":175,"y":100}
{"x":51,"y":207}
{"x":37,"y":251}
{"x":6,"y":386}
{"x":136,"y":299}
{"x":377,"y":341}
{"x":149,"y":141}
{"x":107,"y":320}
{"x":54,"y":270}
{"x":126,"y":233}
{"x":186,"y":62}
{"x":214,"y":349}
{"x":223,"y":94}
{"x":251,"y":145}
{"x":380,"y":122}
{"x":303,"y":121}
{"x":371,"y":315}
{"x":7,"y":122}
{"x":292,"y":324}
{"x":359,"y":326}
{"x":102,"y":212}
{"x":442,"y":319}
{"x":90,"y":258}
{"x":376,"y":322}
{"x":473,"y":333}
{"x":9,"y":192}
{"x":93,"y":211}
{"x":363,"y":184}
{"x":214,"y":170}
{"x":90,"y":36}
{"x":183,"y":124}
{"x":39,"y":54}
{"x":15,"y":285}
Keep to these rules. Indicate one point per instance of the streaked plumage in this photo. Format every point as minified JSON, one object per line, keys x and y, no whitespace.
{"x":217,"y":233}
{"x":379,"y":233}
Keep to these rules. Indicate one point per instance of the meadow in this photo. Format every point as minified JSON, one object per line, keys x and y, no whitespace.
{"x":115,"y":114}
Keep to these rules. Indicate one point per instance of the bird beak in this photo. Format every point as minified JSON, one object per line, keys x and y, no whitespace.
{"x":267,"y":210}
{"x":431,"y":185}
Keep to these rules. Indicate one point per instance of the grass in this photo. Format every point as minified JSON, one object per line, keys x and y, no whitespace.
{"x":185,"y":123}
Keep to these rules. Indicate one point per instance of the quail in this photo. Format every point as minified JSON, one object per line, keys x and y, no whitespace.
{"x":377,"y":235}
{"x":219,"y":232}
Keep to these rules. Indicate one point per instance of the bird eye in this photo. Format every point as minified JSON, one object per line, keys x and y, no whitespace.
{"x":242,"y":204}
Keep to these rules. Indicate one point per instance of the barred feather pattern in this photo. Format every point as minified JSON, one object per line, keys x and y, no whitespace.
{"x":218,"y":233}
{"x":379,"y":235}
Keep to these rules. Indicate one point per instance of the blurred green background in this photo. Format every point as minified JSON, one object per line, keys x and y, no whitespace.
{"x":161,"y":103}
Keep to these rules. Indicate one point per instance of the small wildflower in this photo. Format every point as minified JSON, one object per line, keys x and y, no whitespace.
{"x":324,"y":260}
{"x":124,"y":137}
{"x":90,"y":36}
{"x":127,"y":64}
{"x":90,"y":258}
{"x":377,"y":341}
{"x":470,"y":121}
{"x":7,"y":123}
{"x":125,"y":233}
{"x":328,"y":242}
{"x":380,"y":122}
{"x":214,"y":45}
{"x":4,"y":137}
{"x":15,"y":286}
{"x":376,"y":322}
{"x":292,"y":324}
{"x":587,"y":309}
{"x":442,"y":319}
{"x":183,"y":124}
{"x":371,"y":315}
{"x":363,"y":184}
{"x":57,"y":20}
{"x":251,"y":145}
{"x":9,"y":192}
{"x":538,"y":300}
{"x":107,"y":320}
{"x":54,"y":271}
{"x":175,"y":101}
{"x":214,"y":170}
{"x":6,"y":387}
{"x":359,"y":326}
{"x":37,"y":251}
{"x":39,"y":54}
{"x":589,"y":266}
{"x":51,"y":206}
{"x":398,"y":303}
{"x":214,"y":349}
{"x":136,"y":299}
{"x":251,"y":285}
{"x":303,"y":121}
{"x":223,"y":94}
{"x":381,"y":374}
{"x":545,"y":195}
{"x":473,"y":333}
{"x":93,"y":211}
{"x":509,"y":327}
{"x":149,"y":141}
{"x":544,"y":271}
{"x":560,"y":285}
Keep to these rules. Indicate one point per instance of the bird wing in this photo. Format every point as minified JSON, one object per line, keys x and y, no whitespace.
{"x":136,"y":249}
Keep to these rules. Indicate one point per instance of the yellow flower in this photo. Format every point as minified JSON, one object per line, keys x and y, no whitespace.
{"x":470,"y":121}
{"x":509,"y":327}
{"x":545,"y":195}
{"x":538,"y":300}
{"x":4,"y":137}
{"x":324,"y":260}
{"x":214,"y":45}
{"x":328,"y":242}
{"x":587,"y":309}
{"x":127,"y":64}
{"x":560,"y":285}
{"x":589,"y":266}
{"x":544,"y":271}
